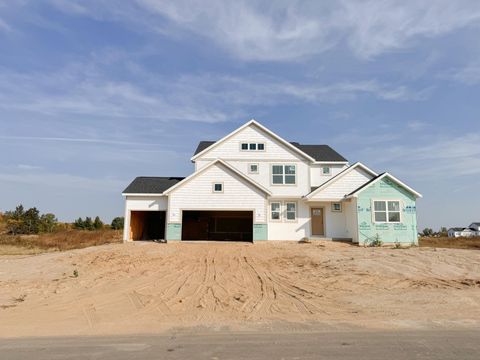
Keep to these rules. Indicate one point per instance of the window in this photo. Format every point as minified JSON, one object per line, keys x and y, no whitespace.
{"x":275,"y":211}
{"x":253,"y":168}
{"x":244,"y":146}
{"x":283,"y":175}
{"x":337,"y":207}
{"x":386,"y":211}
{"x":291,"y":211}
{"x":218,"y":187}
{"x":326,"y":170}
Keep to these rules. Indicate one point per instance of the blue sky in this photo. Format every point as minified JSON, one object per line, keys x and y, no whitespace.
{"x":94,"y":93}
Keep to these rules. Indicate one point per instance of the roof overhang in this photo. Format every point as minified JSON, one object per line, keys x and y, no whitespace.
{"x":261,"y":127}
{"x":143,"y":194}
{"x":339,"y":176}
{"x":223,"y":163}
{"x":391,"y":177}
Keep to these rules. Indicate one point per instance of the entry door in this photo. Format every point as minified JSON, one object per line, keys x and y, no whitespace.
{"x":317,"y":221}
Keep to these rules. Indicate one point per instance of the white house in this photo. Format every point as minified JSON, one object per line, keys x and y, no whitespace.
{"x":475,"y":226}
{"x":253,"y":185}
{"x":462,"y":232}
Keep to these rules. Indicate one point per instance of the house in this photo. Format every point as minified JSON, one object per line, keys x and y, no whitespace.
{"x":253,"y":185}
{"x":475,"y":226}
{"x":461,"y":232}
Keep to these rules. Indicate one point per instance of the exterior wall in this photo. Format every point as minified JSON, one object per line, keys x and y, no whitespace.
{"x":403,"y":232}
{"x":141,"y":203}
{"x":316,"y":176}
{"x":344,"y":185}
{"x":197,"y":194}
{"x":350,"y":208}
{"x":289,"y":230}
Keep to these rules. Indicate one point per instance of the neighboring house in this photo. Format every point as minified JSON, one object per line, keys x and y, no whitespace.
{"x":475,"y":226}
{"x":253,"y":185}
{"x":462,"y":232}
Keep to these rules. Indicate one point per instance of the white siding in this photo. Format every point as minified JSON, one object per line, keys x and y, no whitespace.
{"x":336,"y":224}
{"x":141,"y":203}
{"x":316,"y":176}
{"x":289,"y":230}
{"x":344,"y":185}
{"x":197,"y":194}
{"x":350,"y":208}
{"x":230,"y":148}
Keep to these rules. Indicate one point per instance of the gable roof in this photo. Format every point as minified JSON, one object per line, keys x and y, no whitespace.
{"x":261,"y":127}
{"x":461,"y":229}
{"x":315,"y":190}
{"x":381,"y":176}
{"x":232,"y":169}
{"x":475,"y":223}
{"x":151,"y":184}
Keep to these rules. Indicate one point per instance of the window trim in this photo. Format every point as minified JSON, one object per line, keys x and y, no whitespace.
{"x":400,"y":205}
{"x":250,"y":143}
{"x":329,"y":170}
{"x":246,"y":143}
{"x":217,"y":183}
{"x":250,"y":170}
{"x":283,"y":174}
{"x":333,"y":207}
{"x":270,"y":211}
{"x":264,"y":147}
{"x":286,"y":211}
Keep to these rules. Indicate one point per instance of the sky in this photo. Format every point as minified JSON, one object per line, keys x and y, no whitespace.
{"x":95,"y":93}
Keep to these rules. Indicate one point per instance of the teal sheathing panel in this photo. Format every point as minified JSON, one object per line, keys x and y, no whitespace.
{"x":260,"y":232}
{"x":174,"y":231}
{"x":385,"y":189}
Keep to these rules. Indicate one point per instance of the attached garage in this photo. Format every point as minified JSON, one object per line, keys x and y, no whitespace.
{"x":147,"y":225}
{"x":217,"y":225}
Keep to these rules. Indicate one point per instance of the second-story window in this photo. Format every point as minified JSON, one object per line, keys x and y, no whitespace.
{"x":326,"y":170}
{"x":253,"y":168}
{"x":284,"y":175}
{"x":245,"y":146}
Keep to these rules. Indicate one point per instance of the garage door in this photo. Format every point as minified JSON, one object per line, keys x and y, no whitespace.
{"x":147,"y":225}
{"x":217,"y":225}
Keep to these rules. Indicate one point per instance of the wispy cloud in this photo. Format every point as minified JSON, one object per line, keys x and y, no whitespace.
{"x":468,"y":75}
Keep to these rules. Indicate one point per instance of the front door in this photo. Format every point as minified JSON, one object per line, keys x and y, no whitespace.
{"x":318,"y":228}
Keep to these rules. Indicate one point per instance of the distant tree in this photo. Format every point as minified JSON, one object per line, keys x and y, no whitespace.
{"x":97,"y":223}
{"x":427,"y":232}
{"x":48,"y":223}
{"x":79,"y":224}
{"x":15,"y":220}
{"x":443,"y":231}
{"x":117,"y":223}
{"x":88,"y":223}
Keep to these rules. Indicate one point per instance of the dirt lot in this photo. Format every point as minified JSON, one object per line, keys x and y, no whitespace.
{"x":148,"y":287}
{"x":452,"y":243}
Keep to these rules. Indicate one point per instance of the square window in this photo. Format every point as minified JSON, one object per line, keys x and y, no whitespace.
{"x":290,"y":179}
{"x":393,"y":216}
{"x":326,"y":170}
{"x":253,"y":168}
{"x":277,"y":179}
{"x":253,"y":147}
{"x":218,"y":187}
{"x":380,"y":216}
{"x":277,"y":169}
{"x":244,"y":146}
{"x":387,"y":211}
{"x":336,"y":207}
{"x":261,"y":147}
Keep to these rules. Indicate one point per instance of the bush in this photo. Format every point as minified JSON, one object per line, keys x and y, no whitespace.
{"x":88,"y":224}
{"x":20,"y":221}
{"x":376,"y":241}
{"x":117,"y":223}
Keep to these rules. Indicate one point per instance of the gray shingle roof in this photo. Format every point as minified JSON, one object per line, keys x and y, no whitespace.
{"x":151,"y":184}
{"x":318,"y":152}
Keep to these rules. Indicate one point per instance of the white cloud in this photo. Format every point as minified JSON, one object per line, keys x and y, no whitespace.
{"x":469,"y":75}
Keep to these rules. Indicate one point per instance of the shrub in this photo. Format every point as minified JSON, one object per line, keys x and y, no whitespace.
{"x":117,"y":223}
{"x":97,"y":223}
{"x":375,"y":241}
{"x":20,"y":221}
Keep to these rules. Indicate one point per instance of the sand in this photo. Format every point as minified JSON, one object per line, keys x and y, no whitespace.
{"x":149,"y":288}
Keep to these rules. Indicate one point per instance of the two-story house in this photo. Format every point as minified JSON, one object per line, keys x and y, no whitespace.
{"x":253,"y":185}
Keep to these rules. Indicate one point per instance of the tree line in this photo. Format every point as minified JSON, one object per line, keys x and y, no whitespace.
{"x":443,"y":232}
{"x":31,"y":221}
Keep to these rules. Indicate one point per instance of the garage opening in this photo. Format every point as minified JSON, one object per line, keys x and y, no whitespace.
{"x":217,"y":225}
{"x":147,"y":225}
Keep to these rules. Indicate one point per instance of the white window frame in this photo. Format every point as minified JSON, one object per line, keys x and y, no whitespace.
{"x":279,"y":211}
{"x":250,"y":145}
{"x":283,"y":175}
{"x":217,"y":183}
{"x":286,"y":211}
{"x":386,"y":201}
{"x":243,"y":142}
{"x":335,"y":210}
{"x":329,"y":170}
{"x":250,"y":169}
{"x":264,"y":146}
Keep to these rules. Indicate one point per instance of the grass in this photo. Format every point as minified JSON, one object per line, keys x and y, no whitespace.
{"x":60,"y":240}
{"x":453,"y":243}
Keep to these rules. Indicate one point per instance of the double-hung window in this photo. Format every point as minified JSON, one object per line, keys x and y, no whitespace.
{"x":291,"y":211}
{"x":275,"y":210}
{"x":284,"y":175}
{"x":386,"y":211}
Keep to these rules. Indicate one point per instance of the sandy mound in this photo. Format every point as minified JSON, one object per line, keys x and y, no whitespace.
{"x":147,"y":287}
